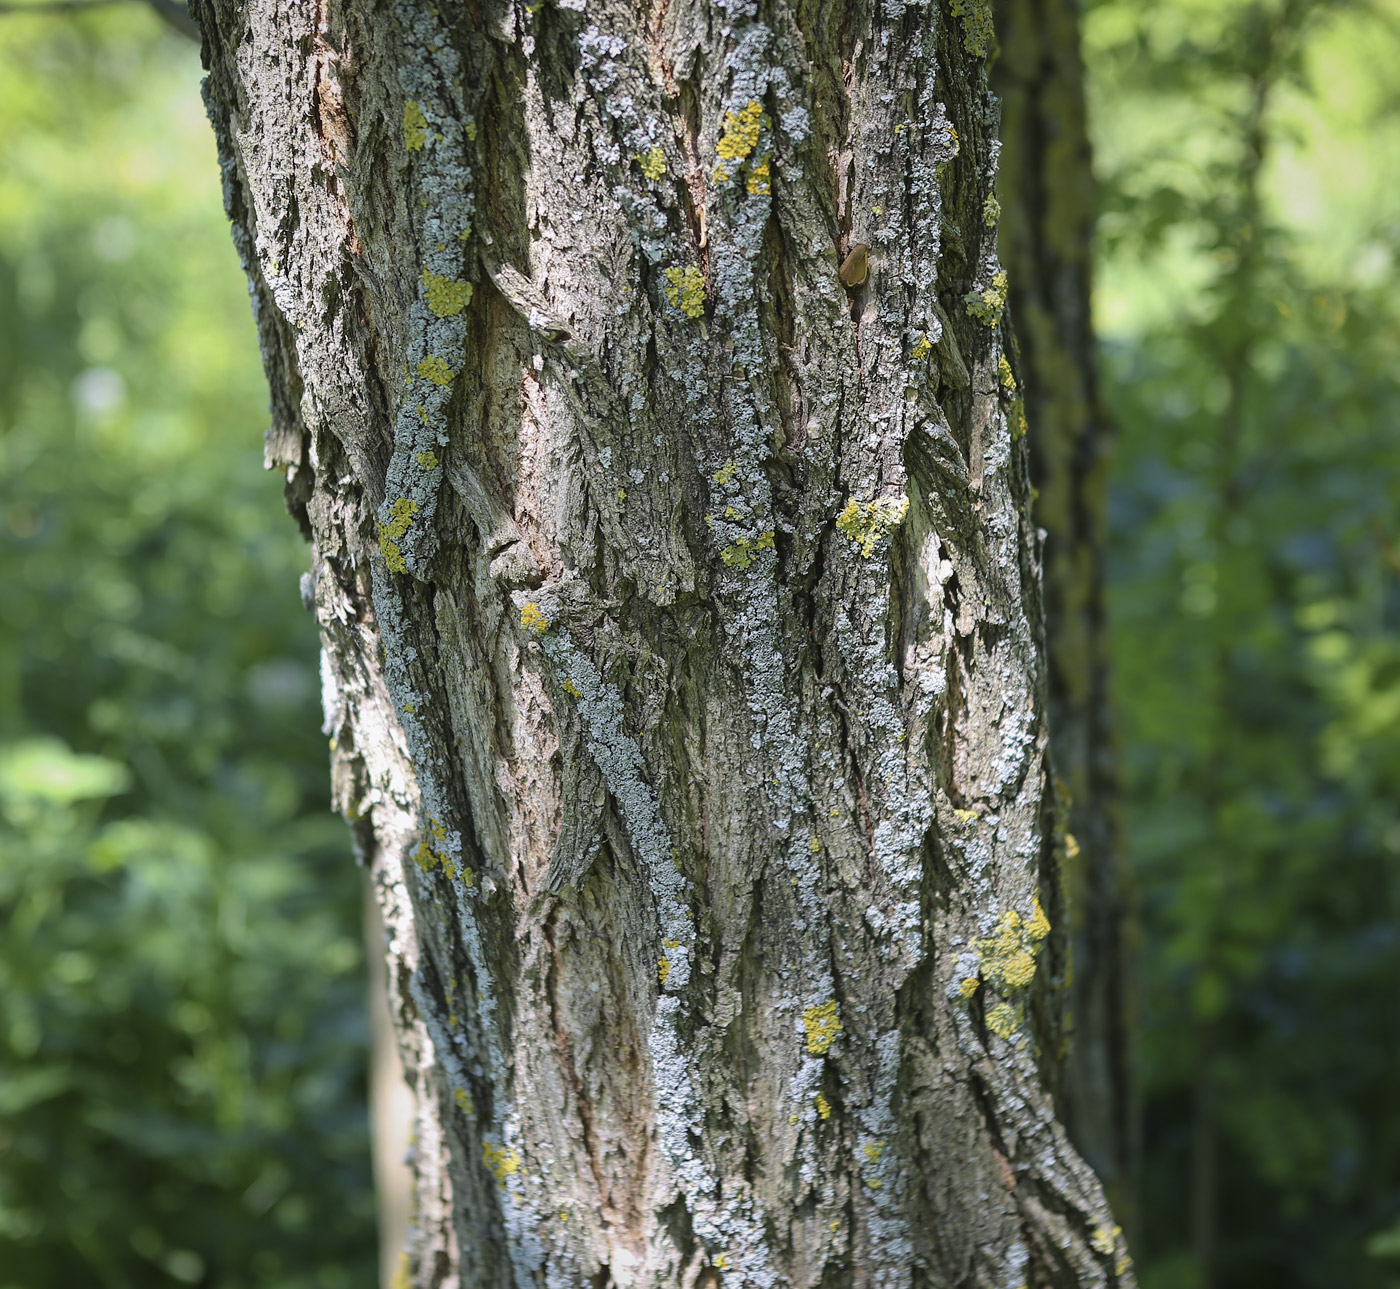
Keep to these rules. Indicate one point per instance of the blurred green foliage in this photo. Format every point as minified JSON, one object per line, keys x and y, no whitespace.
{"x":1251,"y":329}
{"x":182,"y":1029}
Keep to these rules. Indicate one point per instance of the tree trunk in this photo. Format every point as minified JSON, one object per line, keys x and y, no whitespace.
{"x":1048,"y":199}
{"x":679,"y":600}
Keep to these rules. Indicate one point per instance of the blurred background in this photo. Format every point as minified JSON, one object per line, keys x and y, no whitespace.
{"x":182,"y":1024}
{"x":182,"y":1019}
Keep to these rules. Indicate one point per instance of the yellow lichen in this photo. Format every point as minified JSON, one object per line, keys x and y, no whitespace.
{"x":570,"y":688}
{"x":391,"y":533}
{"x":1071,"y":846}
{"x":923,"y":346}
{"x":969,"y":986}
{"x":1018,"y":970}
{"x":1008,"y":377}
{"x":823,"y":1106}
{"x":991,"y":211}
{"x":1008,"y":955}
{"x":501,"y":1161}
{"x":446,"y":296}
{"x":741,"y":554}
{"x":1001,"y":1020}
{"x":725,"y":474}
{"x":686,"y":291}
{"x":814,"y":845}
{"x":653,"y":163}
{"x":822,"y":1023}
{"x":868,"y":523}
{"x":533,"y":619}
{"x":988,"y":304}
{"x":741,"y":129}
{"x":415,"y":127}
{"x":663,"y":969}
{"x":1018,"y":423}
{"x":464,"y":1100}
{"x":873,"y":1150}
{"x":1105,"y":1239}
{"x":978,"y":32}
{"x":760,"y":178}
{"x":428,"y":460}
{"x":722,"y":1261}
{"x":436,"y":370}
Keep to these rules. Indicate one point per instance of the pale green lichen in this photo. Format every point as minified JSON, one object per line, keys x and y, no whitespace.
{"x":446,"y":297}
{"x":821,"y":1023}
{"x":392,"y":532}
{"x":653,"y":163}
{"x":988,"y":304}
{"x":686,"y":291}
{"x":742,"y":553}
{"x":415,"y":127}
{"x":868,"y":523}
{"x":436,"y":370}
{"x":978,"y":31}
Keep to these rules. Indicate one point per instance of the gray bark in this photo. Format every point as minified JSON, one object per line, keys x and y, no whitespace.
{"x":1046,"y":184}
{"x":680,"y":613}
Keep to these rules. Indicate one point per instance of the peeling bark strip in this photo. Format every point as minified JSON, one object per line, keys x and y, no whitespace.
{"x":679,"y":602}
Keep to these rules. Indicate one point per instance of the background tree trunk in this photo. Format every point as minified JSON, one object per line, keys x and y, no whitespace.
{"x":1046,"y":184}
{"x":680,"y":608}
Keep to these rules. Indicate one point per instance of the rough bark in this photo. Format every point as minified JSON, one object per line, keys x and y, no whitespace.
{"x":680,"y":612}
{"x":1046,"y":184}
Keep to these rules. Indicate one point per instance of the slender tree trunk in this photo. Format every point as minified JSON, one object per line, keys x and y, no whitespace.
{"x":1048,"y":202}
{"x":680,"y":609}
